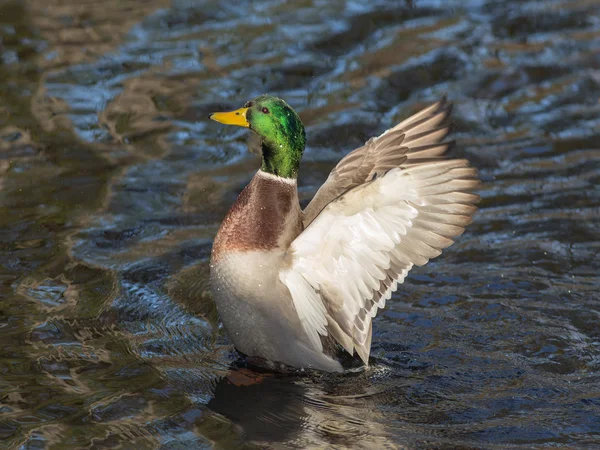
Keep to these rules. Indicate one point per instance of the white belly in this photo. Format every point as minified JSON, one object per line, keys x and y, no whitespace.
{"x":258,"y":313}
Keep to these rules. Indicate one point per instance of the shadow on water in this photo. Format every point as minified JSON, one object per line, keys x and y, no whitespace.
{"x":113,"y":184}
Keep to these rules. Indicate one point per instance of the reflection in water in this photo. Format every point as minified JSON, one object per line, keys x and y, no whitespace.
{"x":264,"y":407}
{"x":112,"y":186}
{"x":271,"y":409}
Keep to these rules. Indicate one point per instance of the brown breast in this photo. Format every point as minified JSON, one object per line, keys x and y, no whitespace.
{"x":266,"y":215}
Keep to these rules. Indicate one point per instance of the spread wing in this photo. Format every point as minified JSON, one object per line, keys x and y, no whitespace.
{"x":415,"y":139}
{"x":368,"y":231}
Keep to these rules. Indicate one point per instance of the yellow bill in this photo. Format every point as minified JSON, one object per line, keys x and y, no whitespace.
{"x":237,"y":117}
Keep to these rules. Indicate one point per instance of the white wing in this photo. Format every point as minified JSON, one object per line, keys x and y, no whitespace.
{"x":349,"y":260}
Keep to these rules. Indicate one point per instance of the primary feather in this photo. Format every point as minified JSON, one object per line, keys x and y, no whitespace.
{"x":416,"y":138}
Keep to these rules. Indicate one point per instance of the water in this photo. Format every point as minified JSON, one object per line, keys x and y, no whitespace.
{"x":113,"y":184}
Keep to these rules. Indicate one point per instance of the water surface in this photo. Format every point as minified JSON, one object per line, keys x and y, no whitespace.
{"x":113,"y":184}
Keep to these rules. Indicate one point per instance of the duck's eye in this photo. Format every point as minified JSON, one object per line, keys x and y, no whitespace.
{"x":265,"y":110}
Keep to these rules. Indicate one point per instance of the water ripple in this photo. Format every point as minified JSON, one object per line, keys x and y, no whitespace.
{"x":114,"y":184}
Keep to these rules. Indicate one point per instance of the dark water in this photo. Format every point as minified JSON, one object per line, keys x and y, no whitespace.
{"x":113,"y":183}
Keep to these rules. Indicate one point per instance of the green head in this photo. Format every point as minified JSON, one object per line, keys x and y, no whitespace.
{"x":280,"y":129}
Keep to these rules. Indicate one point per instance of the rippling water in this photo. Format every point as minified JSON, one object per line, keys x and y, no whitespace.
{"x":113,"y":184}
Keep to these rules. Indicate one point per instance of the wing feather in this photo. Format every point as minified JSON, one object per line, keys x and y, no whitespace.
{"x":416,"y":138}
{"x":362,"y":237}
{"x":348,"y":261}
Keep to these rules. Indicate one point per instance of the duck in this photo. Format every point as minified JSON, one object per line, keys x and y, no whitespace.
{"x":299,"y":288}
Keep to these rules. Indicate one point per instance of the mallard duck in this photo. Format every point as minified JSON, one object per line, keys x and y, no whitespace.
{"x":294,"y":287}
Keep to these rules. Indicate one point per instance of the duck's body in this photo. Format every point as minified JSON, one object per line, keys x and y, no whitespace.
{"x":288,"y":283}
{"x":248,"y":253}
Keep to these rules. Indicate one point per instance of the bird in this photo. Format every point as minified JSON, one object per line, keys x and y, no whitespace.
{"x":297,"y":288}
